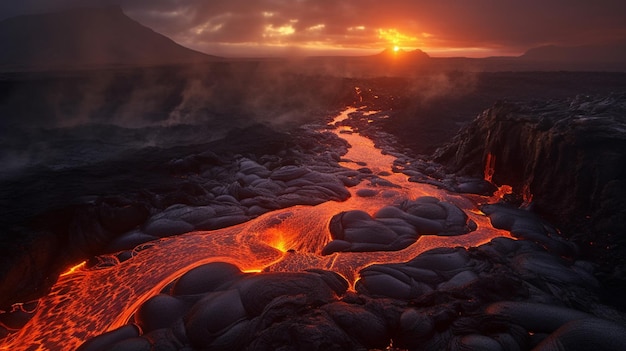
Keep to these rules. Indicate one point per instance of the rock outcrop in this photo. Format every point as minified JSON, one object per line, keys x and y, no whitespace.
{"x":567,"y":156}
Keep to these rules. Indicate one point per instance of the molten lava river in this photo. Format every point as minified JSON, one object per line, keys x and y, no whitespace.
{"x":87,"y":302}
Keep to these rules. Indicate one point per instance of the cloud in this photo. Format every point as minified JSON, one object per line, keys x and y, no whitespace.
{"x":479,"y":24}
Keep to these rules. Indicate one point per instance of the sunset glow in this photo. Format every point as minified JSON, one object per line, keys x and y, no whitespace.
{"x":445,"y":28}
{"x":440,"y":28}
{"x":396,"y":39}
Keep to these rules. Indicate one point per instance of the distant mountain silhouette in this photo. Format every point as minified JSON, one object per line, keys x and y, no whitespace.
{"x":414,"y":54}
{"x":585,"y":53}
{"x":86,"y":37}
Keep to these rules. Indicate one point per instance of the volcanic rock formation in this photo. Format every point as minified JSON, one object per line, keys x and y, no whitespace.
{"x":567,"y":156}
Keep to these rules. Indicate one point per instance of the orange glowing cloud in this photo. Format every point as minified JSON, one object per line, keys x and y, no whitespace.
{"x":399,"y":40}
{"x":480,"y":27}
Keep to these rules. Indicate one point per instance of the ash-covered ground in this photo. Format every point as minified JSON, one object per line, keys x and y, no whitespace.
{"x":98,"y":162}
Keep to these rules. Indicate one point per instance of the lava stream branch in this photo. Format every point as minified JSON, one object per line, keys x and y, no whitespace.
{"x":89,"y":302}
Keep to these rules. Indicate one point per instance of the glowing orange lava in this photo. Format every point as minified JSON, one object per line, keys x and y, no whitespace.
{"x":74,"y":269}
{"x":505,"y":189}
{"x":501,"y":192}
{"x":88,"y":302}
{"x":490,"y":167}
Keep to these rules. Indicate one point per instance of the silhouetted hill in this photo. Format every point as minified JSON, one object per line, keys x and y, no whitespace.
{"x":86,"y":37}
{"x":416,"y":54}
{"x":612,"y":55}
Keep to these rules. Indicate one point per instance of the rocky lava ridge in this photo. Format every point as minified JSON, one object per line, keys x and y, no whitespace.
{"x":569,"y":156}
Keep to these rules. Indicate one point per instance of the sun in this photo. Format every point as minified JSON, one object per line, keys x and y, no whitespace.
{"x":396,"y":40}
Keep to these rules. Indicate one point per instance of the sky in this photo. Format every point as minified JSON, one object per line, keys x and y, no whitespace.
{"x":473,"y":28}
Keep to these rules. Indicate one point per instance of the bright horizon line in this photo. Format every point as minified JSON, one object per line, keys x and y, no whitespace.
{"x":252,"y":50}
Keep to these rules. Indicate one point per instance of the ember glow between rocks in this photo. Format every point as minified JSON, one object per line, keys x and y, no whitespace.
{"x":90,"y":301}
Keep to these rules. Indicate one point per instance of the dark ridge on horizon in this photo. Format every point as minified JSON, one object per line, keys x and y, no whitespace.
{"x":416,"y":54}
{"x":607,"y":53}
{"x":86,"y":37}
{"x":609,"y":57}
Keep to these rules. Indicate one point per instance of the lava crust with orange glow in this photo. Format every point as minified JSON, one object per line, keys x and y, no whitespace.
{"x":382,"y":253}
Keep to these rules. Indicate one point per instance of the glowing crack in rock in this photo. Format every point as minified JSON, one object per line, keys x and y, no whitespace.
{"x":87,"y":302}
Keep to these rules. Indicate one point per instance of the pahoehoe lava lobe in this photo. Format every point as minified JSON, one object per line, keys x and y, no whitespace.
{"x":396,"y":227}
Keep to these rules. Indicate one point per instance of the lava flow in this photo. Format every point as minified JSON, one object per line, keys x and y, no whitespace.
{"x":89,"y":302}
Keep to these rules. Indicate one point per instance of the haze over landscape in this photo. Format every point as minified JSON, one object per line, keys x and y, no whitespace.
{"x":312,"y":175}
